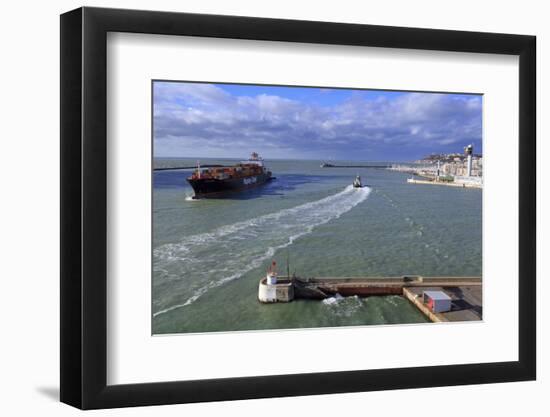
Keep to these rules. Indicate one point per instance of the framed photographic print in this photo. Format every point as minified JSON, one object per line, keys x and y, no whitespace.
{"x":259,"y":207}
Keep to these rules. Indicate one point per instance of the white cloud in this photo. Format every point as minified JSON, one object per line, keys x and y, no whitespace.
{"x":194,"y":118}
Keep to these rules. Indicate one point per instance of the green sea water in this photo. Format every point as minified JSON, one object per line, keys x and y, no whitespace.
{"x":209,"y":255}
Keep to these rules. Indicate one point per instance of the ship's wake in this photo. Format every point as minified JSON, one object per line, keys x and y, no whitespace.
{"x":343,"y":306}
{"x":186,"y":270}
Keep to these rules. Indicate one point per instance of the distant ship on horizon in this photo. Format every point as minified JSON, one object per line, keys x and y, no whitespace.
{"x":219,"y":181}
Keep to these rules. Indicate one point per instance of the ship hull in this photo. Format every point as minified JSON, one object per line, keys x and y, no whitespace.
{"x":215,"y":188}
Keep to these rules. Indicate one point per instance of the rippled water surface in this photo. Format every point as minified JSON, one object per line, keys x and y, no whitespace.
{"x":208,"y":255}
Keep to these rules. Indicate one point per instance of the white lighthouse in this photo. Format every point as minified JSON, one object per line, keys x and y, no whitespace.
{"x":468,"y":151}
{"x":271,"y":277}
{"x":274,"y":290}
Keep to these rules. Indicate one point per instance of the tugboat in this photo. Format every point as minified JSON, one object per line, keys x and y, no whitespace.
{"x":357,"y":182}
{"x":218,"y":181}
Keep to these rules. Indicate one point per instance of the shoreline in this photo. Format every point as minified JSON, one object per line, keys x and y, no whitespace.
{"x":448,"y":184}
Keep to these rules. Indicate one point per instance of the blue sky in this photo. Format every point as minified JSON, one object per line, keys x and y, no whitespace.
{"x":224,"y":120}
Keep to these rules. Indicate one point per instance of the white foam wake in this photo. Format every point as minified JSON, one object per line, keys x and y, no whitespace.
{"x":231,"y":251}
{"x":343,"y":306}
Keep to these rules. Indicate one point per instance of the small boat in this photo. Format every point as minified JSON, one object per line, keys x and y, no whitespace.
{"x":357,"y":182}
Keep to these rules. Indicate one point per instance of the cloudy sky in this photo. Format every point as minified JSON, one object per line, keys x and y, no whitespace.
{"x":223,"y":120}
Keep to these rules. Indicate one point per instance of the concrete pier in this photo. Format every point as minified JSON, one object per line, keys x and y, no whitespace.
{"x":446,"y":183}
{"x":465,"y":292}
{"x":466,"y":303}
{"x":356,"y":166}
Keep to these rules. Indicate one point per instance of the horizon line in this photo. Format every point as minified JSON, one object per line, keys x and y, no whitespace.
{"x":283,"y":159}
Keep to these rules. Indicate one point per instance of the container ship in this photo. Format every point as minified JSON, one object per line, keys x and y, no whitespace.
{"x":218,"y":181}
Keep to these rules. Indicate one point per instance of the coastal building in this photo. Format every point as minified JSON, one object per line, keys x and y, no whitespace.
{"x":437,"y":301}
{"x":461,"y":168}
{"x":466,"y":167}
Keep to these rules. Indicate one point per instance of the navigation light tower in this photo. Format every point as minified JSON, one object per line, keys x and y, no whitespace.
{"x":468,"y":151}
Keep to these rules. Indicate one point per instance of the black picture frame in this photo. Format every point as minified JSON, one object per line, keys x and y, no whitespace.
{"x":84,"y":207}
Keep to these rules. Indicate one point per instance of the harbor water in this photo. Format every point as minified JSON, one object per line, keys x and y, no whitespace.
{"x":209,"y":255}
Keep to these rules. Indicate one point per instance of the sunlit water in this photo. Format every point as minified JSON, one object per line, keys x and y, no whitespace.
{"x":208,"y":255}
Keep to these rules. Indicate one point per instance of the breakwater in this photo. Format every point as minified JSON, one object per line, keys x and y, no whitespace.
{"x":460,"y":184}
{"x":356,"y":166}
{"x":190,"y":167}
{"x":463,"y":293}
